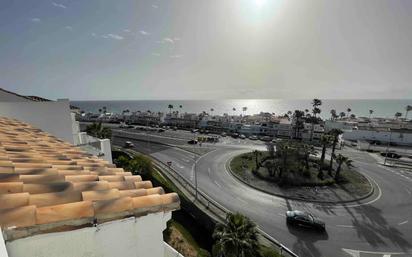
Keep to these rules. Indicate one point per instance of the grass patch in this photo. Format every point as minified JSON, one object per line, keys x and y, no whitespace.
{"x":265,"y":251}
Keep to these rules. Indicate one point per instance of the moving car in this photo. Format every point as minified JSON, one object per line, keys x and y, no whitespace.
{"x":223,"y":134}
{"x":242,"y":136}
{"x":304,"y":219}
{"x":192,"y":142}
{"x":128,"y":144}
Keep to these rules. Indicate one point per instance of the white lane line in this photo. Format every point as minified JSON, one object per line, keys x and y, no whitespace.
{"x":357,"y":253}
{"x":403,"y":222}
{"x":217,"y":184}
{"x":208,"y":171}
{"x":240,"y":199}
{"x":345,"y":226}
{"x":409,"y":192}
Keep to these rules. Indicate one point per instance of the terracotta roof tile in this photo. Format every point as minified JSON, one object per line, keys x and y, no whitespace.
{"x":46,"y":184}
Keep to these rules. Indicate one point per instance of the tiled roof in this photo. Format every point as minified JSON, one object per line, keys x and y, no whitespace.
{"x":49,"y":185}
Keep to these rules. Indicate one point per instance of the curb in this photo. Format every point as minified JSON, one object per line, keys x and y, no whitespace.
{"x":228,"y":168}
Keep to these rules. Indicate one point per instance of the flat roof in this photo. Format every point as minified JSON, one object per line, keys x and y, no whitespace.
{"x":49,"y":185}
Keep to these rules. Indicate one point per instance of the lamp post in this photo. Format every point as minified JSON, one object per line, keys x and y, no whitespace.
{"x":387,"y":146}
{"x":194,"y":166}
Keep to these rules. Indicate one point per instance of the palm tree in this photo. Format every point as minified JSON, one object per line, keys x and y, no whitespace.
{"x":170,"y":106}
{"x":236,"y":237}
{"x":335,"y":135}
{"x":325,"y":140}
{"x":298,"y":116}
{"x":340,"y":159}
{"x":397,"y":115}
{"x":211,"y":111}
{"x":233,"y":109}
{"x":342,"y":115}
{"x":370,"y":113}
{"x":181,"y":107}
{"x":307,"y":151}
{"x":316,"y":103}
{"x":348,"y":110}
{"x":257,"y":154}
{"x":244,"y":109}
{"x":408,"y":108}
{"x":97,"y":130}
{"x":333,"y":114}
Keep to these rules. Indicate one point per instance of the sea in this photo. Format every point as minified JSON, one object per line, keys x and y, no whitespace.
{"x":385,"y":108}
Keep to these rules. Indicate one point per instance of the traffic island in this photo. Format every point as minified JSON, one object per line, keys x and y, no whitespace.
{"x":299,"y":182}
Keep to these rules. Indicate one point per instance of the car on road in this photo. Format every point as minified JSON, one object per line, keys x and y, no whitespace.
{"x":192,"y":142}
{"x":304,"y":219}
{"x":128,"y":144}
{"x":194,"y":130}
{"x":391,"y":155}
{"x":161,"y":130}
{"x":242,"y":136}
{"x":253,"y":137}
{"x":235,"y":135}
{"x":174,"y":128}
{"x":223,"y":134}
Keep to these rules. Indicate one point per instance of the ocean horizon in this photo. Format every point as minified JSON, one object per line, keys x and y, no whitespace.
{"x":385,"y":108}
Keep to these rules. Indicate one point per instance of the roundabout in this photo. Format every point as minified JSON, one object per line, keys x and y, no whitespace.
{"x":374,"y":226}
{"x":322,"y":193}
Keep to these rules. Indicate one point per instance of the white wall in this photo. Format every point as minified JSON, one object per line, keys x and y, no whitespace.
{"x":137,"y":237}
{"x":8,"y":97}
{"x":383,"y":136}
{"x":52,"y":117}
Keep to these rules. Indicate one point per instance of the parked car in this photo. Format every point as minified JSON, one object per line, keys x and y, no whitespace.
{"x":253,"y":137}
{"x":192,"y":142}
{"x":391,"y":155}
{"x":194,"y":130}
{"x":304,"y":219}
{"x":160,"y":130}
{"x":128,"y":144}
{"x":266,"y":138}
{"x":223,"y":134}
{"x":174,"y":128}
{"x":235,"y":135}
{"x":242,"y":136}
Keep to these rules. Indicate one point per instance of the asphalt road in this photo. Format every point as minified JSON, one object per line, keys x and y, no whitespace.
{"x":379,"y":226}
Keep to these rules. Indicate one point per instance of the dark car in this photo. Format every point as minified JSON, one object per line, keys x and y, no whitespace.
{"x":304,"y":219}
{"x":128,"y":144}
{"x":391,"y":155}
{"x":192,"y":142}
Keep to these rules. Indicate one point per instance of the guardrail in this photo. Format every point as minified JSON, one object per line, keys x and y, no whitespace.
{"x":213,"y":206}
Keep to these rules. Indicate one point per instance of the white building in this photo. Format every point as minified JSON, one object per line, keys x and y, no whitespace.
{"x":54,"y":117}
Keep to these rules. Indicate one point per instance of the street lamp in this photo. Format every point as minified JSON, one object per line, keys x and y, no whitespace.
{"x":194,"y":166}
{"x":387,"y":146}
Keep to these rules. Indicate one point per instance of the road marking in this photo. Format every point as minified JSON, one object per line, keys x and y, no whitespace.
{"x":217,"y":184}
{"x":345,"y":226}
{"x":403,"y":222}
{"x":240,"y":199}
{"x":357,"y":253}
{"x":409,"y":192}
{"x":208,"y":171}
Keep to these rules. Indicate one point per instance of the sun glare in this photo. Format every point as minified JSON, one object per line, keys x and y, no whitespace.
{"x":260,"y":3}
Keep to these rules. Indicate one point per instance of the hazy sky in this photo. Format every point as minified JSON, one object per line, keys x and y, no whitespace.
{"x":206,"y":49}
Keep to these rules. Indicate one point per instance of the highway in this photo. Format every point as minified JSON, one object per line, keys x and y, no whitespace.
{"x":379,"y":226}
